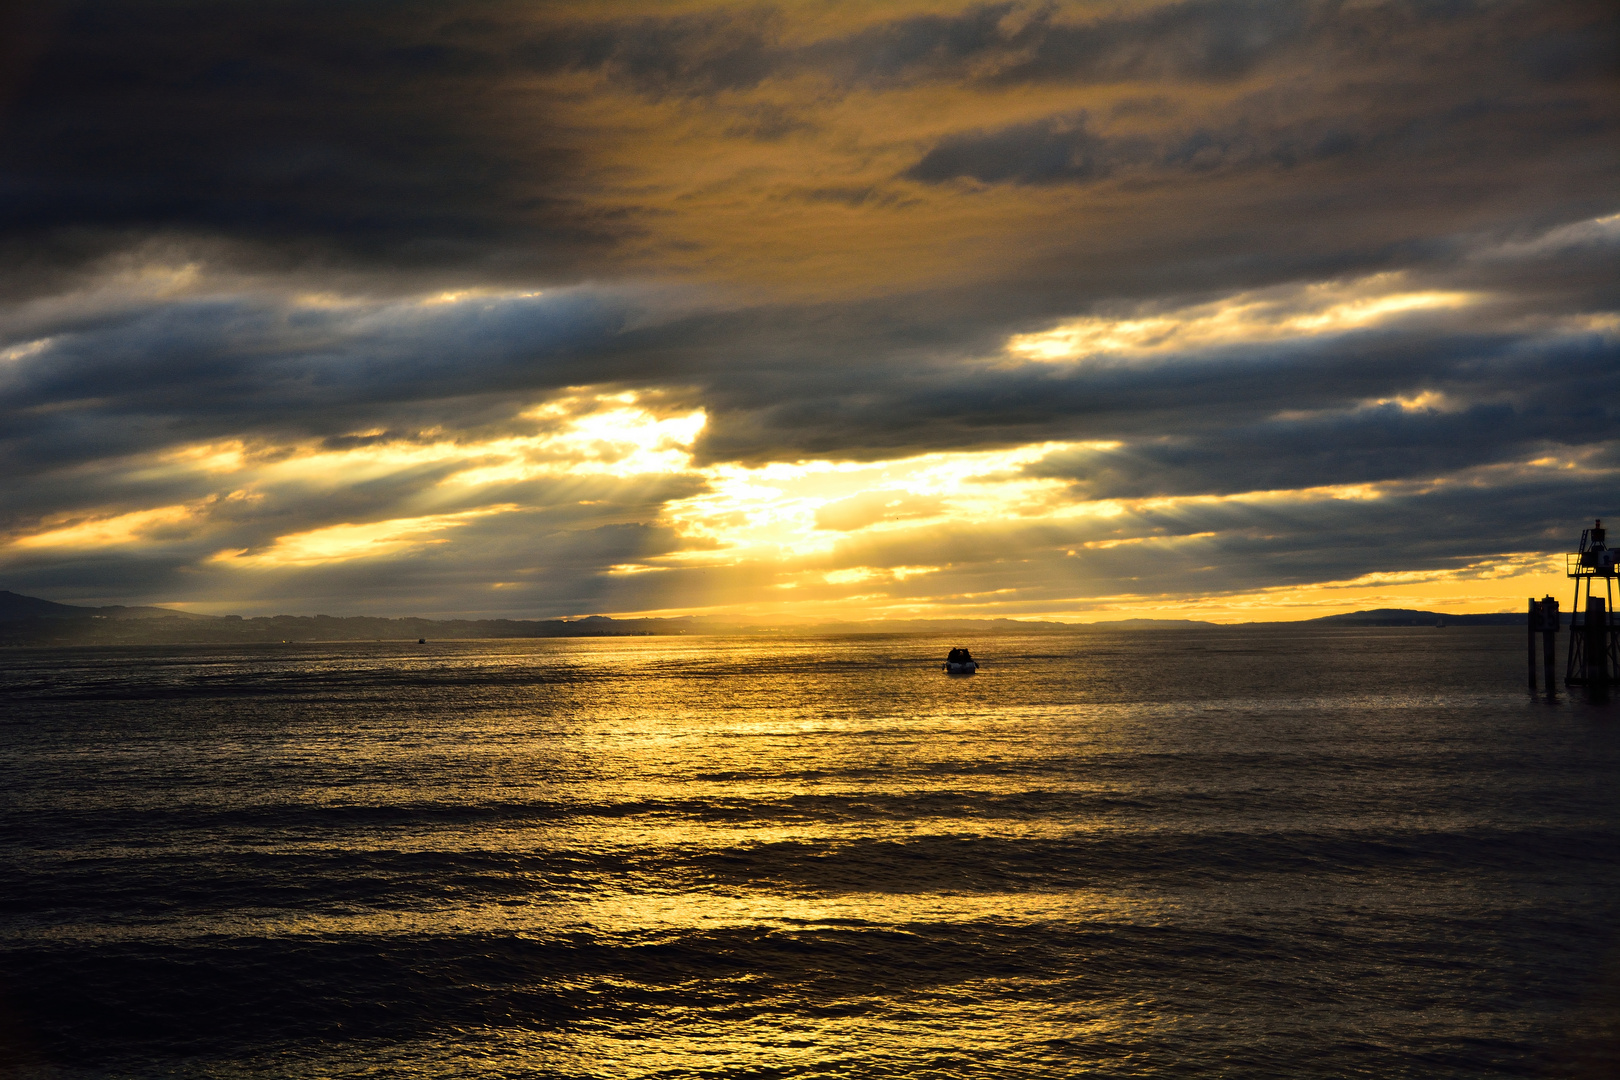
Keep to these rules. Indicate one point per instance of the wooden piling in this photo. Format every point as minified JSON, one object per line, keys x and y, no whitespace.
{"x":1597,"y":641}
{"x":1543,"y":616}
{"x":1549,"y":638}
{"x":1535,"y":617}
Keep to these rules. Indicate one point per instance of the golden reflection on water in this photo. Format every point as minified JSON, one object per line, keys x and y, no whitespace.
{"x":653,"y":915}
{"x":752,"y":857}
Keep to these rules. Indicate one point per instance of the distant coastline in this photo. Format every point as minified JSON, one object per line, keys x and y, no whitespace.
{"x":30,"y":621}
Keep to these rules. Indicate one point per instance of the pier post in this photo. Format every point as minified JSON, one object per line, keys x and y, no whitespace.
{"x":1597,"y":641}
{"x":1543,"y":617}
{"x":1535,"y":617}
{"x":1549,"y":638}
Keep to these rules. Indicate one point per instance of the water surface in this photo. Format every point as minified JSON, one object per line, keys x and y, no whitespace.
{"x":1245,"y":852}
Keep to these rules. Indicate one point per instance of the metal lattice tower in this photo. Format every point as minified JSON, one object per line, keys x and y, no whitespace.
{"x":1592,"y":646}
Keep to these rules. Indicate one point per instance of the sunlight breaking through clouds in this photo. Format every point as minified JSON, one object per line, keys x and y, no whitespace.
{"x":582,"y":434}
{"x":972,"y":532}
{"x":578,"y":435}
{"x":818,"y":536}
{"x":610,"y":474}
{"x":340,"y":543}
{"x":1291,"y":311}
{"x":785,"y":511}
{"x":137,"y":526}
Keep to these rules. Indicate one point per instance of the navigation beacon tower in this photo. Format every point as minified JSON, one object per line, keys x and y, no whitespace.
{"x":1592,"y":656}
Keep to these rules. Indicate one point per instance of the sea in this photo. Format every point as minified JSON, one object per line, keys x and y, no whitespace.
{"x":1244,"y":852}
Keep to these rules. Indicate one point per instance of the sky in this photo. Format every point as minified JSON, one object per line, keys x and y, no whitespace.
{"x":1217,"y":309}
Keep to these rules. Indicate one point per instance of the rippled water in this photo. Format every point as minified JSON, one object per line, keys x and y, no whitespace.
{"x":1249,"y":852}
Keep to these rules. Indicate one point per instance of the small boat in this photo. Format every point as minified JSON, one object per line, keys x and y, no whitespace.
{"x":960,"y":662}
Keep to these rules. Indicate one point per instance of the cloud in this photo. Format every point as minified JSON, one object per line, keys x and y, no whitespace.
{"x":509,"y":143}
{"x":268,"y":366}
{"x":484,"y":306}
{"x":1286,"y":312}
{"x":348,"y":541}
{"x":731,"y":49}
{"x":1057,"y":149}
{"x":285,"y":134}
{"x":1065,"y":149}
{"x":326,"y":438}
{"x":870,"y":507}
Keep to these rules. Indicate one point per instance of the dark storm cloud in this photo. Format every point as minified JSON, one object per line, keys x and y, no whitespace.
{"x":1209,"y":41}
{"x":1363,"y":129}
{"x":1064,"y":149}
{"x":1354,"y":446}
{"x":1560,"y":387}
{"x":554,"y":564}
{"x":783,"y":383}
{"x":1012,"y":42}
{"x":199,"y":369}
{"x":1261,"y":546}
{"x":1047,"y":151}
{"x":413,"y":135}
{"x":316,"y":131}
{"x":1228,"y":420}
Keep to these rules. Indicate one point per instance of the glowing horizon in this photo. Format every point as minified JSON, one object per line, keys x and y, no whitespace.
{"x":819,"y":539}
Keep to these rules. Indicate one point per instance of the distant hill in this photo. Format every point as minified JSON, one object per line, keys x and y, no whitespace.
{"x":45,"y":623}
{"x":29,"y":620}
{"x":16,"y":606}
{"x":1410,"y":617}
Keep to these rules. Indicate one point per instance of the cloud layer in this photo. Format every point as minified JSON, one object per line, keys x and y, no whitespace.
{"x":479,"y":308}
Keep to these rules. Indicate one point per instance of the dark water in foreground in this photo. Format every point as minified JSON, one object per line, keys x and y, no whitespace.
{"x":1187,"y":853}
